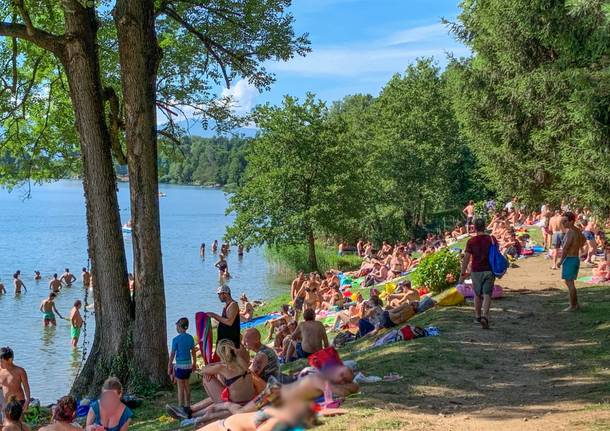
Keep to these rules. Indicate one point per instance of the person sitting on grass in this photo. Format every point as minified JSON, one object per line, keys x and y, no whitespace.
{"x":246,"y":310}
{"x":371,"y":315}
{"x":309,"y":337}
{"x":283,"y":320}
{"x":377,"y":275}
{"x":183,"y":351}
{"x":265,"y":363}
{"x":398,"y":315}
{"x":403,"y":293}
{"x":63,"y":416}
{"x":109,"y":413}
{"x":284,"y":339}
{"x":13,"y":416}
{"x":334,"y":298}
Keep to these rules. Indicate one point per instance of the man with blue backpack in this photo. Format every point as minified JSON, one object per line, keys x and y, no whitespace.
{"x":486,"y":263}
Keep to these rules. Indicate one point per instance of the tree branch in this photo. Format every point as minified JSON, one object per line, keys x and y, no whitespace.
{"x":41,"y":38}
{"x":25,"y":16}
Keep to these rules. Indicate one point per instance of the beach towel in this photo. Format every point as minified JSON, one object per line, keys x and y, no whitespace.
{"x":593,"y":279}
{"x":259,"y":320}
{"x":204,"y":334}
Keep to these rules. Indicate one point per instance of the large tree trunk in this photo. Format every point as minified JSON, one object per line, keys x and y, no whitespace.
{"x":111,"y":350}
{"x":139,"y":58}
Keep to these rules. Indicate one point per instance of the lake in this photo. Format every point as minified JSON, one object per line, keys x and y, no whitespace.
{"x":47,"y":232}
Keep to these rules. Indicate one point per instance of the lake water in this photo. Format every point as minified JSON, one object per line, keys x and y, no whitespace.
{"x":47,"y":232}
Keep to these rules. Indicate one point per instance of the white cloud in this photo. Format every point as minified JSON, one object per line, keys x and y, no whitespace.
{"x":386,"y":55}
{"x":243,"y":95}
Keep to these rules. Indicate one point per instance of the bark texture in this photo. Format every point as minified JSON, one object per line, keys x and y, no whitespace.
{"x":139,"y":57}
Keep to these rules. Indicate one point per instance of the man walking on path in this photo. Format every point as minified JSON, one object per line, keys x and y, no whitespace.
{"x":573,"y":240}
{"x":477,"y":256}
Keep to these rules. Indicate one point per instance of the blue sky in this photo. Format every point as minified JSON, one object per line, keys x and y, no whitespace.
{"x":357,"y":45}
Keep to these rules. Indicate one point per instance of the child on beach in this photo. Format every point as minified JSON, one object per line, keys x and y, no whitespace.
{"x":76,"y":322}
{"x":183,"y":351}
{"x":13,"y":380}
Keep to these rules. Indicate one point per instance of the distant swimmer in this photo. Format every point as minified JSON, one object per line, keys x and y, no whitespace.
{"x":48,"y":310}
{"x":18,"y":283}
{"x":55,"y":284}
{"x":222,"y":265}
{"x":240,"y":249}
{"x":76,"y":322}
{"x":2,"y":289}
{"x":37,"y":276}
{"x":68,"y":278}
{"x":215,"y":246}
{"x":202,"y":250}
{"x":86,"y":277}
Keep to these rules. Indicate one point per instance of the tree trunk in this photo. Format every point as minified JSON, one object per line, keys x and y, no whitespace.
{"x":111,"y":351}
{"x":139,"y":57}
{"x":311,"y":242}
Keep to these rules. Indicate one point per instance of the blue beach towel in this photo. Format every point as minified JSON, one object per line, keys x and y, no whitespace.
{"x":259,"y":320}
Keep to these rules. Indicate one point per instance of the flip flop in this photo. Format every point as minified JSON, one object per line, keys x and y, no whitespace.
{"x":484,"y":323}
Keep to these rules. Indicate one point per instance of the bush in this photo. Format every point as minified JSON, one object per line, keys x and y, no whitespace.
{"x":437,"y":271}
{"x":295,"y":258}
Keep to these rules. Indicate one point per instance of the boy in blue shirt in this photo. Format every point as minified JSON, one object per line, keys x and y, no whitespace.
{"x":183,"y":351}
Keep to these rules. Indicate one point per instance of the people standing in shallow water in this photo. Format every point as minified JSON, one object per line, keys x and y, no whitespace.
{"x":55,"y":284}
{"x":37,"y":276}
{"x":68,"y":278}
{"x":215,"y":246}
{"x":240,"y":250}
{"x":86,"y":278}
{"x":48,"y":309}
{"x":222,"y":266}
{"x":2,"y":289}
{"x":18,"y":283}
{"x":202,"y":250}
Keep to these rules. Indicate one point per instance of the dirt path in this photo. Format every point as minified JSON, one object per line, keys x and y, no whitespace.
{"x":529,"y":372}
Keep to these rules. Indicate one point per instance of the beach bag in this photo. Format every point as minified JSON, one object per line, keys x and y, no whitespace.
{"x":327,"y":357}
{"x":343,"y":338}
{"x":465,"y":290}
{"x":497,"y":261}
{"x":449,"y":298}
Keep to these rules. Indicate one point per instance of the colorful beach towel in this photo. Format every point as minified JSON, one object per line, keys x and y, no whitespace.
{"x":593,"y":279}
{"x":259,"y":320}
{"x":204,"y":334}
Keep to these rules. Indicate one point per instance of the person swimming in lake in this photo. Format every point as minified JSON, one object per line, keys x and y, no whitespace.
{"x":18,"y":283}
{"x":48,"y":309}
{"x":76,"y":322}
{"x":86,"y":278}
{"x":37,"y":276}
{"x":215,"y":246}
{"x":202,"y":249}
{"x":240,"y":250}
{"x":67,"y":278}
{"x":2,"y":289}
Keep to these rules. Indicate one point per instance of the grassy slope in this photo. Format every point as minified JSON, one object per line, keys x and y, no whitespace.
{"x":435,"y":352}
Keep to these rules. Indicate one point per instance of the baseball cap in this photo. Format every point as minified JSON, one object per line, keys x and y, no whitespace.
{"x":223,"y":289}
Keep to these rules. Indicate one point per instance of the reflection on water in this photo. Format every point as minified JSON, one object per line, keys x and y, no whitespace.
{"x":47,"y":233}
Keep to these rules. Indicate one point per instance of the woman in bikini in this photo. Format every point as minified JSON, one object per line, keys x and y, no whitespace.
{"x":109,"y":413}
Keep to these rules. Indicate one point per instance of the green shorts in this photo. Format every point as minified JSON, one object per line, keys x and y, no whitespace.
{"x":483,"y":282}
{"x":74,"y":332}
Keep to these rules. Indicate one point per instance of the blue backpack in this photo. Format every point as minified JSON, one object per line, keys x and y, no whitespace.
{"x":498,"y":263}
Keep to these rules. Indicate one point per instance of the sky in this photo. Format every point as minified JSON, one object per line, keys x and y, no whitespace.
{"x":357,"y":45}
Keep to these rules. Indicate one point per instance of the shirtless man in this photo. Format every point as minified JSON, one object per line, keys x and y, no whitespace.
{"x":469,"y":213}
{"x":76,"y":323}
{"x":13,"y":379}
{"x":37,"y":276}
{"x":86,"y":277}
{"x":55,"y":284}
{"x":48,"y":309}
{"x":309,"y":337}
{"x":297,"y":294}
{"x":18,"y":284}
{"x":557,"y":236}
{"x":215,"y":246}
{"x":68,"y":278}
{"x":573,"y":241}
{"x":246,"y":310}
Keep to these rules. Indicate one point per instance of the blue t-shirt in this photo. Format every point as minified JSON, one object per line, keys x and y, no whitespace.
{"x":182,"y":345}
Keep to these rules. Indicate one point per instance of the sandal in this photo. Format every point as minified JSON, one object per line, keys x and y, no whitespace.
{"x":484,"y":323}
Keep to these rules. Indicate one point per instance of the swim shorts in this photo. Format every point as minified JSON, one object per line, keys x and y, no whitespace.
{"x":588,"y":235}
{"x":570,"y":267}
{"x":482,"y":282}
{"x":557,"y":239}
{"x":182,"y":373}
{"x":74,"y":332}
{"x":298,"y":303}
{"x":49,"y":316}
{"x":301,"y":353}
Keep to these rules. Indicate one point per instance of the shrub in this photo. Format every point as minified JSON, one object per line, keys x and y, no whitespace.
{"x":437,"y":271}
{"x":294,"y":258}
